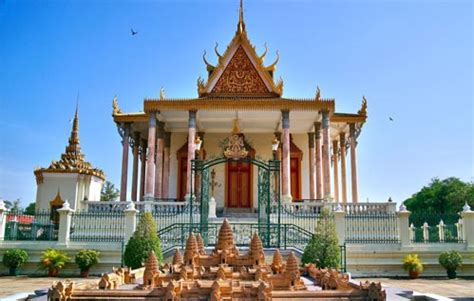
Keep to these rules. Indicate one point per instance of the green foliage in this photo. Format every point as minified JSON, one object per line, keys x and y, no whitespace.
{"x":323,"y":248}
{"x":450,"y":260}
{"x":53,"y":259}
{"x":13,"y":206}
{"x":442,"y":196}
{"x":413,"y":263}
{"x":109,"y":192}
{"x":143,"y":241}
{"x":30,"y":209}
{"x":85,"y":259}
{"x":14,"y":258}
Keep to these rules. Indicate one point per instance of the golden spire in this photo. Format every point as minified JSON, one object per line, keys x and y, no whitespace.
{"x":241,"y":24}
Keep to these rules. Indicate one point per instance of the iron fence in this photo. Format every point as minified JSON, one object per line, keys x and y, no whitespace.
{"x":97,"y":226}
{"x":40,"y":226}
{"x":372,"y":228}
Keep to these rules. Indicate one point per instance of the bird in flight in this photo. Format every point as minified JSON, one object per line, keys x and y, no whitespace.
{"x":133,"y":32}
{"x":390,"y":118}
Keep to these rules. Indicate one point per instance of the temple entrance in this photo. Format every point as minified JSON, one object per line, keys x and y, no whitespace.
{"x":239,"y":184}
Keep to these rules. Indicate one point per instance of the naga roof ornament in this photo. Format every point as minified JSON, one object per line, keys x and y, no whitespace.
{"x":363,"y":108}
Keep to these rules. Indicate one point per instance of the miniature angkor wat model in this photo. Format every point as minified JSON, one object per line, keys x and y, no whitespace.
{"x":222,"y":274}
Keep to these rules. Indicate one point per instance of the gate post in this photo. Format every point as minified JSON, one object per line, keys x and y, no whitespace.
{"x":65,"y":215}
{"x":3,"y":219}
{"x":130,"y":221}
{"x":340,"y":221}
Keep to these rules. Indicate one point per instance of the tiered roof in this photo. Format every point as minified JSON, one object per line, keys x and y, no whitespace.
{"x":72,"y":160}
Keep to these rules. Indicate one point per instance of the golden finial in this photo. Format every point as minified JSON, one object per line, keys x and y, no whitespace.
{"x":318,"y":94}
{"x":162,"y":93}
{"x":241,"y":24}
{"x":115,"y":106}
{"x":363,"y":108}
{"x":273,"y":66}
{"x":209,"y":67}
{"x":262,"y":57}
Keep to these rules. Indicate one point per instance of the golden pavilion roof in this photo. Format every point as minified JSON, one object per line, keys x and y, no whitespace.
{"x":72,"y":160}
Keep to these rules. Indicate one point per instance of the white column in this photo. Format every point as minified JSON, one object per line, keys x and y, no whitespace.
{"x":353,"y":163}
{"x":65,"y":216}
{"x":3,"y":220}
{"x":404,"y":226}
{"x":125,"y":147}
{"x":468,"y":224}
{"x":130,"y":221}
{"x":326,"y":157}
{"x":318,"y":159}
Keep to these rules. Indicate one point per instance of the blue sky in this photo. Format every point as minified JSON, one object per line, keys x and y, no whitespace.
{"x":413,"y":60}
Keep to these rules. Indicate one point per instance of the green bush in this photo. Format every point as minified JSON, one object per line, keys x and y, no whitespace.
{"x":413,"y":263}
{"x":14,"y":258}
{"x":85,"y":259}
{"x":450,"y":260}
{"x":323,"y":248}
{"x":53,"y":259}
{"x":143,"y":241}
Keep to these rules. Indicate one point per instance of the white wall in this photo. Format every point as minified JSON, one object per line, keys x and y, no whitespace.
{"x":262,"y":145}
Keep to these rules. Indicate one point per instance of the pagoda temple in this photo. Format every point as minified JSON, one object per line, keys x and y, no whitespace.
{"x":240,"y":112}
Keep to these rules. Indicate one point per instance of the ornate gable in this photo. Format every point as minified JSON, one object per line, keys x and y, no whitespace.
{"x":240,"y":77}
{"x":240,"y":71}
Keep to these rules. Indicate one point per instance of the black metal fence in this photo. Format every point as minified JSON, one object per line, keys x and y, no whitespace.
{"x":40,"y":226}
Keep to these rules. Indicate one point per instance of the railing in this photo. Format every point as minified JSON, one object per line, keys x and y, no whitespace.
{"x":432,"y":227}
{"x":304,"y":217}
{"x":167,"y":214}
{"x":149,"y":203}
{"x":285,"y":236}
{"x":372,"y":228}
{"x":97,"y":226}
{"x":21,"y":226}
{"x":350,"y":208}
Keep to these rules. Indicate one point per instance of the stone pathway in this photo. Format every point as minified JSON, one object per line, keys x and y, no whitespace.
{"x":459,"y":289}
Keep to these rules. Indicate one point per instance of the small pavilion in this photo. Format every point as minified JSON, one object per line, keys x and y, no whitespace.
{"x":241,"y":97}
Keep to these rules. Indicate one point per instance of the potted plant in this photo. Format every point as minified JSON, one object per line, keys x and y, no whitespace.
{"x":53,"y":260}
{"x":450,"y":260}
{"x":413,"y":265}
{"x":14,"y":259}
{"x":85,"y":259}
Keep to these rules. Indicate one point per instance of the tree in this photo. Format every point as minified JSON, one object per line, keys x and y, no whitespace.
{"x":31,"y":209}
{"x":144,"y":240}
{"x":109,"y":192}
{"x":323,"y":248}
{"x":13,"y":205}
{"x":446,"y":196}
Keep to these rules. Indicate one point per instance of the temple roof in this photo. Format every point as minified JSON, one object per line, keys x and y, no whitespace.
{"x":72,"y":160}
{"x":240,"y":70}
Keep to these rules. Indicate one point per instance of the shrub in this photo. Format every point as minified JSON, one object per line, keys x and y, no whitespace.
{"x":14,"y":258}
{"x":53,"y":259}
{"x":323,"y":248}
{"x":85,"y":259}
{"x":143,"y":241}
{"x":412,"y":263}
{"x":450,"y":260}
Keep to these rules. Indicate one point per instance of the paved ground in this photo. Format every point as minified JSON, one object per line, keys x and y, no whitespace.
{"x":398,"y":289}
{"x":25,"y":284}
{"x":454,"y":288}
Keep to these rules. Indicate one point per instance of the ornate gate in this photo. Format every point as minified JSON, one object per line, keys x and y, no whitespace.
{"x":268,"y":196}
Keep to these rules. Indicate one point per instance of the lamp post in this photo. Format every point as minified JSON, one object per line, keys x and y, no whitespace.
{"x":197,"y":145}
{"x":275,"y":144}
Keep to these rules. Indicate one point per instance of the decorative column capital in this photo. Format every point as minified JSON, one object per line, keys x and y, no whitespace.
{"x":160,"y":130}
{"x":317,"y":130}
{"x":325,"y":119}
{"x":285,"y":119}
{"x":168,"y":139}
{"x":342,"y":138}
{"x":311,"y":140}
{"x":152,"y":120}
{"x":192,"y":119}
{"x":352,"y":130}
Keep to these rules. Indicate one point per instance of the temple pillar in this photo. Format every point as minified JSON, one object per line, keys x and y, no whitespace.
{"x":352,"y":136}
{"x":166,"y":166}
{"x":342,"y":142}
{"x":150,"y":159}
{"x":326,"y":157}
{"x":143,"y":144}
{"x":191,"y":154}
{"x":318,"y":159}
{"x":335,"y":154}
{"x":136,"y":145}
{"x":286,"y":181}
{"x":160,"y":135}
{"x":125,"y":147}
{"x":312,"y":163}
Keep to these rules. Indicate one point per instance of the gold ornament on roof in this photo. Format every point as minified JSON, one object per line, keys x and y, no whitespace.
{"x":115,"y":106}
{"x":318,"y":94}
{"x":235,"y":147}
{"x":162,"y":93}
{"x":363,"y":108}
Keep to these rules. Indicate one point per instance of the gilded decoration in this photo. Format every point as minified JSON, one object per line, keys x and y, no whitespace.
{"x":235,"y":147}
{"x":72,"y":160}
{"x":240,"y":76}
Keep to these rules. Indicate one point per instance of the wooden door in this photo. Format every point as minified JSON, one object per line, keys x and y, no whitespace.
{"x":239,"y":185}
{"x":295,"y":178}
